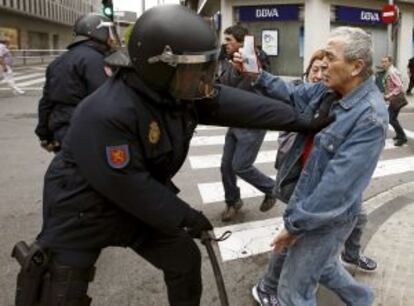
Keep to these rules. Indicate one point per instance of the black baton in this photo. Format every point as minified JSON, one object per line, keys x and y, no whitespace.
{"x":206,"y":239}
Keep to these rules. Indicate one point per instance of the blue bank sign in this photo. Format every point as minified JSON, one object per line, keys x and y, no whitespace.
{"x":358,"y":15}
{"x":269,"y":12}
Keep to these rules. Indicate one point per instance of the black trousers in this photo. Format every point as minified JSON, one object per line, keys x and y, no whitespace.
{"x":396,"y":124}
{"x":410,"y":85}
{"x":176,"y":254}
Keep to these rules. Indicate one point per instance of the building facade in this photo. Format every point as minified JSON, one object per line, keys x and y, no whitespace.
{"x":42,"y":24}
{"x":291,"y":30}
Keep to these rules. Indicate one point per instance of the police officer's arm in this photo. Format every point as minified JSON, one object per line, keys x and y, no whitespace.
{"x":239,"y":108}
{"x":131,"y":186}
{"x":45,"y":108}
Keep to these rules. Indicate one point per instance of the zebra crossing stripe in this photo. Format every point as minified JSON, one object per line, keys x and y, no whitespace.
{"x":199,"y":141}
{"x":26,"y":88}
{"x":409,"y":134}
{"x":249,"y":238}
{"x":213,"y":192}
{"x":24,"y":77}
{"x":210,"y":128}
{"x":252,"y":238}
{"x":214,"y":160}
{"x":32,"y":82}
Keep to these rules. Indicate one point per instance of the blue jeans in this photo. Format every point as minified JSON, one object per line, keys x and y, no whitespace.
{"x":352,"y":248}
{"x":312,"y":260}
{"x":239,"y":153}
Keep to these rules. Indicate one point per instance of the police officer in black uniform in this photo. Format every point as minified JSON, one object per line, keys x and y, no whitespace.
{"x":111,"y":183}
{"x":73,"y":76}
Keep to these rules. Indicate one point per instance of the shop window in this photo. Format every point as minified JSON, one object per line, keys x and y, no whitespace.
{"x":38,"y":40}
{"x":12,"y":35}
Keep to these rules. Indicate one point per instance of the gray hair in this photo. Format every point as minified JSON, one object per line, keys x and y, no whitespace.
{"x":358,"y":46}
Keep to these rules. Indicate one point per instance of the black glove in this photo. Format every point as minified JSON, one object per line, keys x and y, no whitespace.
{"x":196,"y":222}
{"x":50,"y":145}
{"x":319,"y":122}
{"x":322,"y":118}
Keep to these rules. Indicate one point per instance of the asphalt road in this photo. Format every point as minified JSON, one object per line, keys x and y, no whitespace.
{"x":122,"y":277}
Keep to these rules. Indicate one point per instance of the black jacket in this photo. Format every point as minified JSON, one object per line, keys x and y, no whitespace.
{"x":111,"y":183}
{"x":69,"y":79}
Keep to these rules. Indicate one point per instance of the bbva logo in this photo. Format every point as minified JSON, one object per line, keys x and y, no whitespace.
{"x":370,"y":16}
{"x":265,"y":12}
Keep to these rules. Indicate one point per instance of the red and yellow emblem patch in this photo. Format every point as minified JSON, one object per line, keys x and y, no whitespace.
{"x":117,"y":156}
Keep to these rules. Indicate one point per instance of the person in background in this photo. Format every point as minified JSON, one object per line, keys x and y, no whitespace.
{"x":6,"y":63}
{"x":394,"y":95}
{"x":74,"y":75}
{"x":410,"y":68}
{"x":264,"y":59}
{"x":241,"y":145}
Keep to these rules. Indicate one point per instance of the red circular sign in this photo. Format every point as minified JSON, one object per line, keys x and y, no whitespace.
{"x":389,"y":13}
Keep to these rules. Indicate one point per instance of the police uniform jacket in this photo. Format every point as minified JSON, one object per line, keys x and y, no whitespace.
{"x":69,"y":79}
{"x":111,"y":183}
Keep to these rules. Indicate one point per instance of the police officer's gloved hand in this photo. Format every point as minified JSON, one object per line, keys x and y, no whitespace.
{"x":196,"y":222}
{"x":56,"y":146}
{"x":47,"y":145}
{"x":50,"y":145}
{"x":319,"y":122}
{"x":323,"y":117}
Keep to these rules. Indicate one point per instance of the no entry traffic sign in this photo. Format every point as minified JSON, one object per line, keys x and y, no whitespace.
{"x":389,"y":13}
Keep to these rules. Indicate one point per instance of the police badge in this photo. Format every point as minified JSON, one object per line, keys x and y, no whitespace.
{"x":154,"y":132}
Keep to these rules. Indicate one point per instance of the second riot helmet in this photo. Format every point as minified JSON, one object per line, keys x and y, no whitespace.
{"x":98,"y":28}
{"x":174,"y":50}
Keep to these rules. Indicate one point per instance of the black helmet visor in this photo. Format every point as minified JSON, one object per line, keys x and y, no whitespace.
{"x":194,"y":75}
{"x":113,"y":39}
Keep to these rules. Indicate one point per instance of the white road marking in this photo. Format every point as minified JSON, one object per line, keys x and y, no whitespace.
{"x":252,"y":238}
{"x":198,"y":141}
{"x":214,"y":192}
{"x":248,"y":238}
{"x":210,"y":128}
{"x":32,"y":82}
{"x":269,"y":156}
{"x":25,"y":88}
{"x":24,"y":77}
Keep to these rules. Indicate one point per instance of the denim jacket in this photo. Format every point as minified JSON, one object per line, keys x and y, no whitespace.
{"x":343,"y":158}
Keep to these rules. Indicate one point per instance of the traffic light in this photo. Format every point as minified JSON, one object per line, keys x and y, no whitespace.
{"x":108,"y":9}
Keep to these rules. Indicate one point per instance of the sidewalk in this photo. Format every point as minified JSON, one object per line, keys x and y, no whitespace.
{"x":389,"y":239}
{"x":393,"y":248}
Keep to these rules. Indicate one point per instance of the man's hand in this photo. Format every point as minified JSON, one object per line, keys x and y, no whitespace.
{"x":237,"y":63}
{"x":196,"y":222}
{"x":283,"y":240}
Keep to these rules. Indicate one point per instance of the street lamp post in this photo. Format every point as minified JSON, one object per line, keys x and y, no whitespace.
{"x":390,"y":48}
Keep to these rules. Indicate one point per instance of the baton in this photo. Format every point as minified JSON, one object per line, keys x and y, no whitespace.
{"x":206,"y":239}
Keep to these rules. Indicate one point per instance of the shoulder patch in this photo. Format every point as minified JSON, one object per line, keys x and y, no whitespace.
{"x":117,"y":156}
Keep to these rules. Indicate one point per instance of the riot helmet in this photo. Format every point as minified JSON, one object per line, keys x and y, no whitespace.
{"x":98,"y":28}
{"x":174,"y":50}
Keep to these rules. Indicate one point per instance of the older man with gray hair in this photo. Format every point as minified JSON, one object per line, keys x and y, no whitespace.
{"x":337,"y":165}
